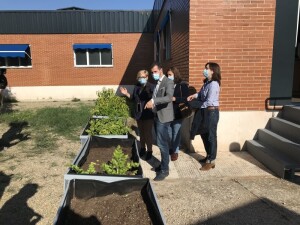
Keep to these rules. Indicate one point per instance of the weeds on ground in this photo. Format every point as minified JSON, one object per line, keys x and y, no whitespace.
{"x":45,"y":125}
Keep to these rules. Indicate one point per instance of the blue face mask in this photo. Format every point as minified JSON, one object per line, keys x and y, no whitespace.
{"x":171,"y":77}
{"x":142,"y":80}
{"x":155,"y":76}
{"x":205,"y":73}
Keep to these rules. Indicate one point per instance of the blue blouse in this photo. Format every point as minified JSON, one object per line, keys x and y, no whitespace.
{"x":209,"y":94}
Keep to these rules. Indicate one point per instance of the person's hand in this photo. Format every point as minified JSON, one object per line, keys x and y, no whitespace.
{"x":191,"y":97}
{"x":149,"y":105}
{"x":173,"y":99}
{"x":123,"y":90}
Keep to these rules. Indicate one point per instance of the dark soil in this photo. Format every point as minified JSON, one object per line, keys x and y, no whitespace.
{"x":110,"y":209}
{"x":103,"y":155}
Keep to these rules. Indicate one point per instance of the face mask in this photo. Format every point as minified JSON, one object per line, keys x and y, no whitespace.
{"x":155,"y":76}
{"x":171,"y":77}
{"x":142,"y":80}
{"x":205,"y":73}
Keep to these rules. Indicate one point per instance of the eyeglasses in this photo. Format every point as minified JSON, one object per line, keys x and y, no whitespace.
{"x":142,"y":77}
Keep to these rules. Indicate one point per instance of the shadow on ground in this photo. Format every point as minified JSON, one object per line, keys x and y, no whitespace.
{"x":13,"y":135}
{"x":4,"y":182}
{"x":16,"y":211}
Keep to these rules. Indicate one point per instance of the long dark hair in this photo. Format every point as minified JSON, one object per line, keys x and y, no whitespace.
{"x":216,"y":76}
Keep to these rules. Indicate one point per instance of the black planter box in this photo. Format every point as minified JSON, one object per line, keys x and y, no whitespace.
{"x":98,"y":142}
{"x":87,"y":189}
{"x":84,"y":135}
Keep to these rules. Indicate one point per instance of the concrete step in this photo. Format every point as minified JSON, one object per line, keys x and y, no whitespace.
{"x":279,"y":163}
{"x":277,"y":143}
{"x":291,"y":113}
{"x":284,"y":128}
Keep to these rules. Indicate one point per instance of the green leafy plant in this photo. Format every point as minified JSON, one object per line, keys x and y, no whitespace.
{"x":120,"y":164}
{"x":107,"y":126}
{"x":91,"y":169}
{"x":109,"y":104}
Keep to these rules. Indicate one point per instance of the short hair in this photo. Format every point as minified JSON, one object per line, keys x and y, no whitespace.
{"x":156,"y":64}
{"x":142,"y":72}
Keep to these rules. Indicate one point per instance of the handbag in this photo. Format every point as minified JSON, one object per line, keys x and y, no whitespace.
{"x":184,"y":108}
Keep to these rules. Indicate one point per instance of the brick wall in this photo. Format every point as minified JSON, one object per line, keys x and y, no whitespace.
{"x":53,"y":59}
{"x":237,"y":34}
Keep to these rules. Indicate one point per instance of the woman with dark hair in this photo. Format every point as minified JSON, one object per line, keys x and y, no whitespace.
{"x":209,"y":112}
{"x":181,"y":92}
{"x":3,"y":84}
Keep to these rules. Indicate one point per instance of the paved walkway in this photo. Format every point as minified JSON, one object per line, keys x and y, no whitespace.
{"x":240,"y":190}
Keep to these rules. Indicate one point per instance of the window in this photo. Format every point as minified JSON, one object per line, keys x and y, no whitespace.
{"x":15,"y":55}
{"x":93,"y":55}
{"x":162,"y":42}
{"x":167,"y":41}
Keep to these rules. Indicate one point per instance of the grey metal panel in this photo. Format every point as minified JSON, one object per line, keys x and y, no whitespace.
{"x":284,"y":48}
{"x":75,"y":22}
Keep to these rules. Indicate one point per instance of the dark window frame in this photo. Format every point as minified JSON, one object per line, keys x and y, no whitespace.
{"x":20,"y":62}
{"x":89,"y":59}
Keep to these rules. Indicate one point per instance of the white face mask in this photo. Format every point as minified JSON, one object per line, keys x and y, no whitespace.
{"x":205,"y":73}
{"x":142,"y":80}
{"x":155,"y":76}
{"x":171,"y":77}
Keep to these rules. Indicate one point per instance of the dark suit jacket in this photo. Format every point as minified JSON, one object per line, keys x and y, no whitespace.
{"x":3,"y":82}
{"x":141,"y":95}
{"x":181,"y":92}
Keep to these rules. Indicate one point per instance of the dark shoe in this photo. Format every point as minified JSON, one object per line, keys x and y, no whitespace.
{"x":148,"y":155}
{"x":142,"y":152}
{"x":156,"y":169}
{"x":208,"y":166}
{"x":161,"y":175}
{"x":174,"y":156}
{"x":171,"y":151}
{"x":203,"y":160}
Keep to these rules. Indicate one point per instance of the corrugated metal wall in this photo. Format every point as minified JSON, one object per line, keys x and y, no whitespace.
{"x":75,"y":22}
{"x":158,"y":6}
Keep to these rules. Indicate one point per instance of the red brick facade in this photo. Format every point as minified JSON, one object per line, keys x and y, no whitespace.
{"x":53,"y":59}
{"x":236,"y":34}
{"x":239,"y":36}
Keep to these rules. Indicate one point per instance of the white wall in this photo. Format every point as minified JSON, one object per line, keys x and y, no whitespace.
{"x":51,"y":93}
{"x":235,"y":128}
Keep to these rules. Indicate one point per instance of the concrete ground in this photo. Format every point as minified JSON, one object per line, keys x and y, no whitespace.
{"x":240,"y":190}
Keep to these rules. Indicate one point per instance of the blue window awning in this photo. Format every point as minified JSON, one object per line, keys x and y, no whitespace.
{"x":91,"y":46}
{"x":13,"y":50}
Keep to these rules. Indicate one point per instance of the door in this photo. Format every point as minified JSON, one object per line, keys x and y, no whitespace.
{"x":283,"y":62}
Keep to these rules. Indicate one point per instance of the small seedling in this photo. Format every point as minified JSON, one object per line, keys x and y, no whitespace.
{"x":91,"y":169}
{"x":120,"y":164}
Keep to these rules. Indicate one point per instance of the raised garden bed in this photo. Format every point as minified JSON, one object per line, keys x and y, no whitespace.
{"x":92,"y":202}
{"x":101,"y":149}
{"x":114,"y":130}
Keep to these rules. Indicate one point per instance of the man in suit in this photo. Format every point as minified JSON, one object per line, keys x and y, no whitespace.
{"x":162,"y":106}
